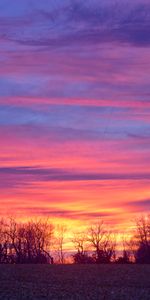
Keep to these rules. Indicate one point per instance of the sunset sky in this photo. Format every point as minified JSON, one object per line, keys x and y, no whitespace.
{"x":75,"y":110}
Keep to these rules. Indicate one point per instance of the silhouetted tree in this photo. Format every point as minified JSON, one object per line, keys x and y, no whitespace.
{"x":33,"y":242}
{"x":30,"y":242}
{"x":126,"y":252}
{"x":103,"y":243}
{"x":83,"y":258}
{"x":4,"y":243}
{"x":80,"y":243}
{"x":124,"y":259}
{"x":60,"y":238}
{"x":142,"y":240}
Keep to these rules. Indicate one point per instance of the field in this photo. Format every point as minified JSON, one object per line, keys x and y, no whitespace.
{"x":114,"y":282}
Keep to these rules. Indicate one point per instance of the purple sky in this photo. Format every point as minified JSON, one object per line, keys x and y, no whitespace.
{"x":75,"y":108}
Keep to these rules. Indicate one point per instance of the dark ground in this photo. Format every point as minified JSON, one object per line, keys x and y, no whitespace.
{"x":115,"y":282}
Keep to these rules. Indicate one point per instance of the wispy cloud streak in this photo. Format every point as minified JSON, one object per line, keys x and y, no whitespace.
{"x":75,"y":108}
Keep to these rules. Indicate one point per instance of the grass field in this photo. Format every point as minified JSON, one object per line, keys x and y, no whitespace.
{"x":118,"y":282}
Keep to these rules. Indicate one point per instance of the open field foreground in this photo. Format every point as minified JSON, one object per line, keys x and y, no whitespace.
{"x":115,"y":282}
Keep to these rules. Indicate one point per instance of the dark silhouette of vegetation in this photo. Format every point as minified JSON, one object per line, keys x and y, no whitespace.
{"x":126,"y":252}
{"x":102,"y":242}
{"x":124,"y":259}
{"x":80,"y":244}
{"x":142,"y":240}
{"x":35,"y":242}
{"x":83,"y":258}
{"x":97,"y":246}
{"x":25,"y":243}
{"x":59,"y":241}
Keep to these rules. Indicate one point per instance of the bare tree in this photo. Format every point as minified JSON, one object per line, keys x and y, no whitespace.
{"x":30,"y":242}
{"x":60,"y":239}
{"x":102,"y":241}
{"x":4,"y":243}
{"x":44,"y":231}
{"x":80,"y":243}
{"x":141,"y":240}
{"x":126,"y":256}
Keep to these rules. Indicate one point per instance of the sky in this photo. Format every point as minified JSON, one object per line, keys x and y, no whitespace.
{"x":75,"y":110}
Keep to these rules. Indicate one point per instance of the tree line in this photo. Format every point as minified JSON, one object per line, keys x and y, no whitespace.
{"x":39,"y":241}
